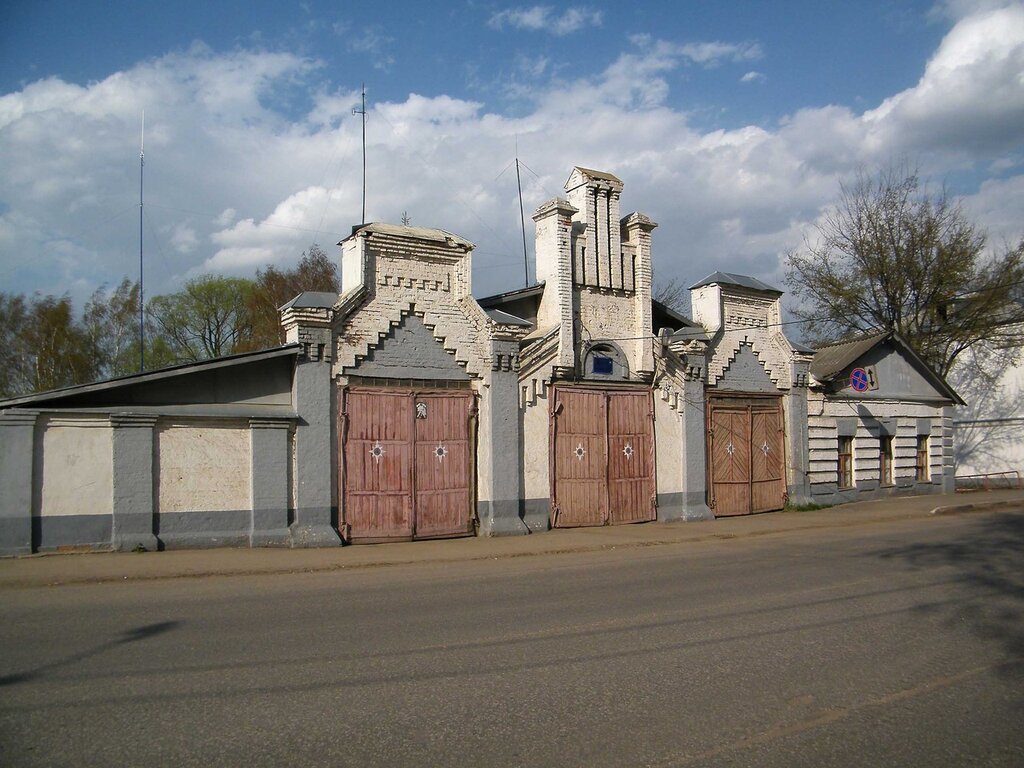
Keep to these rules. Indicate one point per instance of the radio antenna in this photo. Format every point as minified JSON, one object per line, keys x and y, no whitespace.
{"x":142,"y":303}
{"x":522,"y":219}
{"x":362,"y":111}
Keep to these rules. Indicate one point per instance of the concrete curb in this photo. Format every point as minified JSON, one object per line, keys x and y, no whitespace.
{"x":978,"y":506}
{"x":65,"y":569}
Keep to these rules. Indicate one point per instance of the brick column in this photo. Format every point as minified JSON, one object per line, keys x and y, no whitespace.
{"x":499,"y":452}
{"x":314,"y":434}
{"x":694,"y":438}
{"x":17,"y":445}
{"x":270,"y":459}
{"x":798,"y":484}
{"x":132,"y":445}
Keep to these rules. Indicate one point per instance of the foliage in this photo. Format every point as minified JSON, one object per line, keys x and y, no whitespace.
{"x":673,"y":294}
{"x":43,"y":346}
{"x":208,"y":318}
{"x":274,"y":287}
{"x":111,"y":323}
{"x":890,"y":255}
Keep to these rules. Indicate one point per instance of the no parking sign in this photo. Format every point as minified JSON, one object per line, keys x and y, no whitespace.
{"x":860,"y":380}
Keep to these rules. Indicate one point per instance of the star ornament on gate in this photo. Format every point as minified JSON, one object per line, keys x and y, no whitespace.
{"x":440,"y":452}
{"x":765,"y":448}
{"x":580,"y":451}
{"x":377,"y":451}
{"x":730,"y":449}
{"x":628,"y":451}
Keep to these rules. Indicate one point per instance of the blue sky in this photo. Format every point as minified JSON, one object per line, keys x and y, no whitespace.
{"x":731,"y":125}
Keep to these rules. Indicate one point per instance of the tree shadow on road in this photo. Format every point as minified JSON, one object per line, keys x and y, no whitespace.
{"x":988,"y":563}
{"x":128,"y":636}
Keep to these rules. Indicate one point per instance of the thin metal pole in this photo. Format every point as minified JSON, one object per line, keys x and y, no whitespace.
{"x":522,"y":222}
{"x":362,"y":112}
{"x":142,"y":303}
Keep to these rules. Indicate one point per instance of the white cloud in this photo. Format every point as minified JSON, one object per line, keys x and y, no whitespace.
{"x":543,"y":18}
{"x":753,"y":77}
{"x":233,"y":183}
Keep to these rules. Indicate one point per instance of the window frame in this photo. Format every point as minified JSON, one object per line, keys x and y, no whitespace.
{"x":844,"y":463}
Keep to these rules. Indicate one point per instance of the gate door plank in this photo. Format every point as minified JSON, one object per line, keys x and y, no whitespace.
{"x":730,"y":461}
{"x":767,"y":481}
{"x":580,"y":458}
{"x":378,"y":465}
{"x":630,"y":458}
{"x":443,"y":464}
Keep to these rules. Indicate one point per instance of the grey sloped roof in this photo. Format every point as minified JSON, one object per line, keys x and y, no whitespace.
{"x":729,"y":278}
{"x":513,"y":295}
{"x":603,"y":175}
{"x":831,"y":360}
{"x":504,"y":318}
{"x":110,"y":388}
{"x":415,"y":233}
{"x":311,"y":300}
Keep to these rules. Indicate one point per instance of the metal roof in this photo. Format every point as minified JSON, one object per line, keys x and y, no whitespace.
{"x":148,"y":376}
{"x":729,"y":278}
{"x":504,"y":318}
{"x":311,"y":300}
{"x":513,"y":295}
{"x":832,"y":359}
{"x":414,"y":233}
{"x":603,"y":175}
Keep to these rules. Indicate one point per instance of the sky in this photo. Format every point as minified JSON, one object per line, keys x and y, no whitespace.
{"x":731,"y":124}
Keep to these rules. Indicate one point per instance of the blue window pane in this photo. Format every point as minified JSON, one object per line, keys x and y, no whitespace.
{"x":602,"y":365}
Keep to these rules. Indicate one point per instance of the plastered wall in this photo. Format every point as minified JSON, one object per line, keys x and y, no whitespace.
{"x":73,"y":466}
{"x":203,"y":466}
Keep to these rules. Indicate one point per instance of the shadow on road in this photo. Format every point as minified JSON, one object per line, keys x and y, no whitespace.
{"x":129,"y":636}
{"x":987,"y":562}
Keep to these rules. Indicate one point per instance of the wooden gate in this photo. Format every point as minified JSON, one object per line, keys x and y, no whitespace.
{"x":602,"y":465}
{"x":745,"y":455}
{"x":407,"y":464}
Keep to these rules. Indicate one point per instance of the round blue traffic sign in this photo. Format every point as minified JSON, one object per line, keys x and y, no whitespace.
{"x":859,"y":380}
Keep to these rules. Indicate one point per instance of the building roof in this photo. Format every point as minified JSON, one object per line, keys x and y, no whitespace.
{"x":183,"y":369}
{"x":504,"y":318}
{"x":514,"y":295}
{"x":414,"y":233}
{"x":742,"y":281}
{"x":831,"y":360}
{"x":311,"y":300}
{"x":603,"y":175}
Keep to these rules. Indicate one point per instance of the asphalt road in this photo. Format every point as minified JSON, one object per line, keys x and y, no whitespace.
{"x":885,"y":644}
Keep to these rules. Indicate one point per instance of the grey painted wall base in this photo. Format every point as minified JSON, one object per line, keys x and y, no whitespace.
{"x":51,"y":534}
{"x":15,"y":536}
{"x":536,"y":514}
{"x":302,"y":536}
{"x":681,"y":506}
{"x":799,"y":495}
{"x":203,"y":529}
{"x":203,"y":540}
{"x":137,"y":531}
{"x":500,"y":518}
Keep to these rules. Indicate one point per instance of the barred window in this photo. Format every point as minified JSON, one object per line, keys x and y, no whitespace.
{"x":885,"y":460}
{"x":922,"y":458}
{"x":846,"y":462}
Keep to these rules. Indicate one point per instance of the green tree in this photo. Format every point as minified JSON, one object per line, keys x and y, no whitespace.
{"x":111,"y":323}
{"x":13,"y":355}
{"x":890,"y":255}
{"x":208,"y":318}
{"x":275,"y":287}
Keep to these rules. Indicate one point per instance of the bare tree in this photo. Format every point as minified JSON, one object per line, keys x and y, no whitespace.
{"x":890,"y":255}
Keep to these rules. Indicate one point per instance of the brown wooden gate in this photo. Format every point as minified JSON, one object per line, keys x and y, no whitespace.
{"x":407,"y":464}
{"x":602,"y":451}
{"x":745,"y":455}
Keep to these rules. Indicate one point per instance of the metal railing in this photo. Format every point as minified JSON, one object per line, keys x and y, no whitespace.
{"x":989,"y":481}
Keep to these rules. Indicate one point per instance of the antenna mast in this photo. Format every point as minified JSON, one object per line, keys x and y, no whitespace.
{"x":362,"y":111}
{"x":522,"y":218}
{"x":142,"y":304}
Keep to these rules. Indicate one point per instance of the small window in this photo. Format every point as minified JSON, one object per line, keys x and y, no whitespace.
{"x":923,"y":474}
{"x":885,"y":460}
{"x":602,"y":365}
{"x":846,"y":462}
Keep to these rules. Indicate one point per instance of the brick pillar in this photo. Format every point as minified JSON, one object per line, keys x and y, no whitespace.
{"x":270,"y":459}
{"x":17,"y":447}
{"x":132,"y":445}
{"x":695,"y":433}
{"x":315,"y":437}
{"x":798,"y":484}
{"x":499,"y":451}
{"x":638,"y":228}
{"x":554,"y":267}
